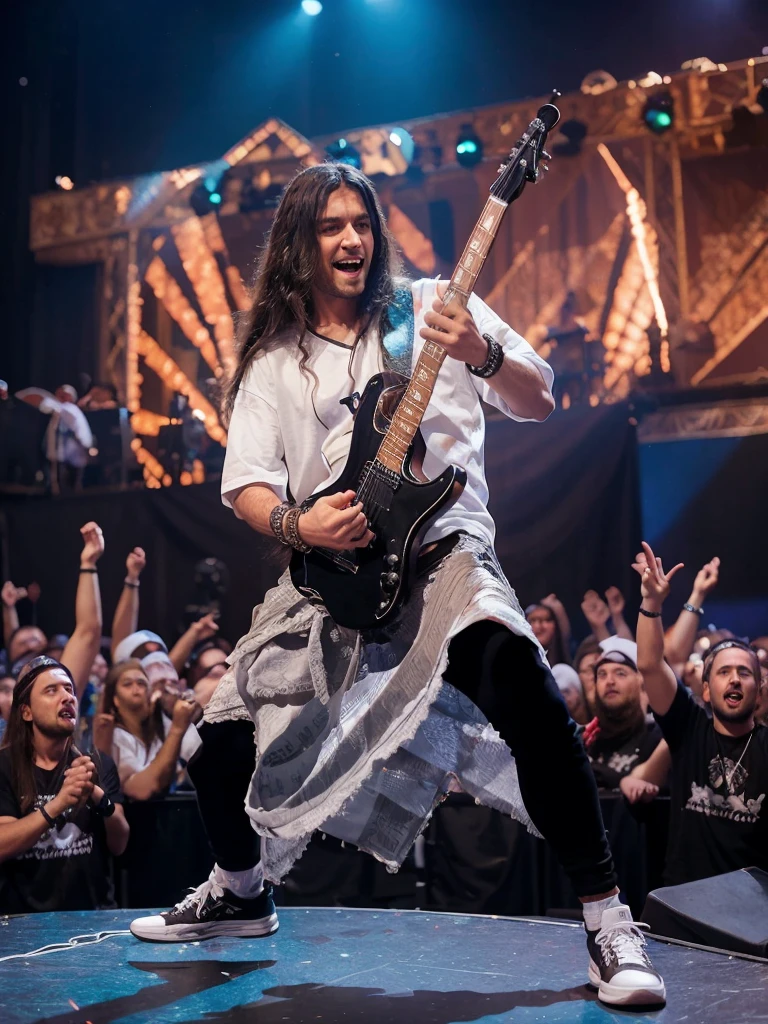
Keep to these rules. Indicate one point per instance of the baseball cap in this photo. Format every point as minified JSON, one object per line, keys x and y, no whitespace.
{"x":158,"y":666}
{"x":127,"y":647}
{"x":566,"y":677}
{"x":619,"y":651}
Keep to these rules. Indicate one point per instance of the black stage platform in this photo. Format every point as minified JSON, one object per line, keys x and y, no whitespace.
{"x":350,"y":966}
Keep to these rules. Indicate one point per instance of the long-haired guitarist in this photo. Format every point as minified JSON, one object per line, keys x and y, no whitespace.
{"x":360,"y":732}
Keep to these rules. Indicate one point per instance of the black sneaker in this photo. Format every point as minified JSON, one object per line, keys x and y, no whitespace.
{"x":619,"y":966}
{"x":208,"y":911}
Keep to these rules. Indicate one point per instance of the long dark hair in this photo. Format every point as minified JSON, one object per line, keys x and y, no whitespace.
{"x":19,"y":738}
{"x":556,"y":652}
{"x":283,"y":289}
{"x":151,"y":727}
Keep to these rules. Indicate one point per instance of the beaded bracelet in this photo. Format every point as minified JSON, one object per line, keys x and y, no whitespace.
{"x":649,"y":615}
{"x":291,"y":527}
{"x":276,"y":517}
{"x":493,"y":363}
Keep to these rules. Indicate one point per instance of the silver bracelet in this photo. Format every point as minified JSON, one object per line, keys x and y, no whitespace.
{"x":276,"y":517}
{"x":292,"y":534}
{"x":493,"y":363}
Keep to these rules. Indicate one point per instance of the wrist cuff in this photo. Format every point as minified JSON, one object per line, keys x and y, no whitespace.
{"x":692,"y":608}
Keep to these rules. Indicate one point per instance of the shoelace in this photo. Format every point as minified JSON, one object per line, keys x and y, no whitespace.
{"x":199,"y":895}
{"x":625,"y":942}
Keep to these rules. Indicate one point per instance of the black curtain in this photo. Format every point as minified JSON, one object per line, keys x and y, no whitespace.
{"x":565,"y":498}
{"x":65,"y":326}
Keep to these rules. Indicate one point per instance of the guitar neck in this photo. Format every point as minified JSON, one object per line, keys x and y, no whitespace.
{"x":410,"y":411}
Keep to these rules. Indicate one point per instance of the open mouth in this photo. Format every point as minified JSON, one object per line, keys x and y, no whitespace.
{"x":733,"y":698}
{"x":67,"y":714}
{"x":349,"y":267}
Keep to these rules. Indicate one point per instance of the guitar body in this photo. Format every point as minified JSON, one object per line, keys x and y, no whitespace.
{"x":365,"y":587}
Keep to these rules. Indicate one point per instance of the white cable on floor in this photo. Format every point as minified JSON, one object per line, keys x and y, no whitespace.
{"x":77,"y":940}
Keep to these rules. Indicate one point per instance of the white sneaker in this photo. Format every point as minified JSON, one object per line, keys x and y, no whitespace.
{"x":619,"y":966}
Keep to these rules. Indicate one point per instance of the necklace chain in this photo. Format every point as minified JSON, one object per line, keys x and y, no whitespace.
{"x":728,"y":779}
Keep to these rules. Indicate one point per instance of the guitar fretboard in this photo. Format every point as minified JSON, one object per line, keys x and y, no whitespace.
{"x":415,"y":400}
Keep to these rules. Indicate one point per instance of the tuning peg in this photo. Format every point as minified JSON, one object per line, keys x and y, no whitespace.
{"x":543,"y":167}
{"x":545,"y":155}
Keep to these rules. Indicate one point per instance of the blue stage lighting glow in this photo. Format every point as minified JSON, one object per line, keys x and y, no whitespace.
{"x":311,"y":7}
{"x":215,"y":198}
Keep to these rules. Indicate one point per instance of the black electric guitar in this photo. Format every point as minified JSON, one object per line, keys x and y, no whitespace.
{"x":364,"y":587}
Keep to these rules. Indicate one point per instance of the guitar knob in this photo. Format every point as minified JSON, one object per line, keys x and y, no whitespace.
{"x":392,"y":559}
{"x":389,"y":579}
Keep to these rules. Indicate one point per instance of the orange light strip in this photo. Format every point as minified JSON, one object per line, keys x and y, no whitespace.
{"x":175,"y":378}
{"x":167,"y":291}
{"x":636,"y":212}
{"x":148,"y":423}
{"x":202,"y":270}
{"x":216,"y":243}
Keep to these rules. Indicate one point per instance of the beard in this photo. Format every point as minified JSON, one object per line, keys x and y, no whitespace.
{"x":735,"y":716}
{"x":619,"y":718}
{"x":57,"y":730}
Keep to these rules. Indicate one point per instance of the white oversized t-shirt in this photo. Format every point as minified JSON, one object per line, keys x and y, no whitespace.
{"x":276,"y":439}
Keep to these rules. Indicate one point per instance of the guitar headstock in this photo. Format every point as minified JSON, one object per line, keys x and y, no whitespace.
{"x":525,"y":158}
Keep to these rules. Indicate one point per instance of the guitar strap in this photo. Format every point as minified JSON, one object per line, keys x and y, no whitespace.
{"x":398,"y":341}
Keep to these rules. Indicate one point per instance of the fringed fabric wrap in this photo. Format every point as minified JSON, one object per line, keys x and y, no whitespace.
{"x":357,"y":734}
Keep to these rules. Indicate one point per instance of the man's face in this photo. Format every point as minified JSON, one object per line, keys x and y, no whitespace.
{"x":732,"y":689}
{"x":618,"y":690}
{"x":27,"y":640}
{"x":52,"y":705}
{"x":132,"y":692}
{"x":345,"y":243}
{"x":7,"y":684}
{"x":212,"y":663}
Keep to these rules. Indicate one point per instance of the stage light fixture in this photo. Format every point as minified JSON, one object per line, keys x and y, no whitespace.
{"x":206,"y":197}
{"x":311,"y":7}
{"x":343,"y":152}
{"x":659,"y":112}
{"x":469,"y":147}
{"x":65,"y":182}
{"x":574,"y":133}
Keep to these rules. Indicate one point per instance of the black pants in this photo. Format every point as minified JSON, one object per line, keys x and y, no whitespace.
{"x":221,"y":771}
{"x":502,"y":674}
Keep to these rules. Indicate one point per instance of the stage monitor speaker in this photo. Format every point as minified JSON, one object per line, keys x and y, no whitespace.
{"x":725,"y":912}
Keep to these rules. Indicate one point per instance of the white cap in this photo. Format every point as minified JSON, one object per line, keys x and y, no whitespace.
{"x":617,"y":645}
{"x":566,"y":677}
{"x":125,"y":649}
{"x":159,"y":666}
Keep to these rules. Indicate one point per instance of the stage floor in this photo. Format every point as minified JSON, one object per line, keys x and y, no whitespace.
{"x":351,"y":966}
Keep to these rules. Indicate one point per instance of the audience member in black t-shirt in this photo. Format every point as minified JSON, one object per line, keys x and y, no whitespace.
{"x":719,"y":780}
{"x":58,"y":815}
{"x":623,"y":738}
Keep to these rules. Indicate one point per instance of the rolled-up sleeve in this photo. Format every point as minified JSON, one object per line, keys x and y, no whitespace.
{"x":516,"y":348}
{"x":254,"y":445}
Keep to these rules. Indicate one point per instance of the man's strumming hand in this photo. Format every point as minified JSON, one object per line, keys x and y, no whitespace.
{"x":453,"y":327}
{"x":333,"y":522}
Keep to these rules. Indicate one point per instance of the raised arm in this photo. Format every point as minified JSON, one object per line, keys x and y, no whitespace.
{"x":84,"y":643}
{"x":11,"y":595}
{"x":201,"y":630}
{"x":597,"y":613}
{"x":658,"y":678}
{"x":681,"y":638}
{"x":557,"y":608}
{"x":126,"y":619}
{"x":615,"y":600}
{"x":159,"y":774}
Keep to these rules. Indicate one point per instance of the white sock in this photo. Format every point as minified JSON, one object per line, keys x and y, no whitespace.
{"x":245,"y":884}
{"x":593,"y":911}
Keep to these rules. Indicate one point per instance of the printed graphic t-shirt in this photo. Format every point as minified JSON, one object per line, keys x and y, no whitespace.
{"x":67,"y":868}
{"x":614,"y":757}
{"x":715,"y":826}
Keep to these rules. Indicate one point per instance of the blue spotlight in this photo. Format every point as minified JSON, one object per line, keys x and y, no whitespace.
{"x":343,"y":152}
{"x":311,"y":7}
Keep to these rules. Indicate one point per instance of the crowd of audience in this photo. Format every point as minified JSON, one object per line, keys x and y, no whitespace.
{"x":89,"y":723}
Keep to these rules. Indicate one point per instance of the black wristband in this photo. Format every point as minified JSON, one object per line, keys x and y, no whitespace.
{"x":693,"y":608}
{"x":51,"y":821}
{"x":128,"y":583}
{"x":105,"y":808}
{"x":86,"y":569}
{"x":649,"y":615}
{"x":493,"y":362}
